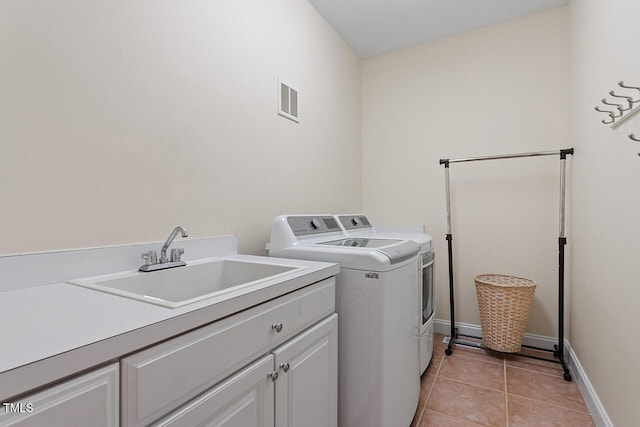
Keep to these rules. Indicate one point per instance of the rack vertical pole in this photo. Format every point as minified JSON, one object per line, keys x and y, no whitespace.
{"x":562,"y":242}
{"x":454,"y":332}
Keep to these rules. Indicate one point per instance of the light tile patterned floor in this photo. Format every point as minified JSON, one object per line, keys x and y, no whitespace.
{"x":475,"y":387}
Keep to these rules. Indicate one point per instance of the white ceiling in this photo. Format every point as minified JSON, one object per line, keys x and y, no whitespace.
{"x":373,"y":27}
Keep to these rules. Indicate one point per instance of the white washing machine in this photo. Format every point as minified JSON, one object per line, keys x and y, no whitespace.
{"x":359,"y":226}
{"x":375,"y":295}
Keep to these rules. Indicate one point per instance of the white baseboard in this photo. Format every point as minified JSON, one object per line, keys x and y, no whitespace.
{"x":599,"y":414}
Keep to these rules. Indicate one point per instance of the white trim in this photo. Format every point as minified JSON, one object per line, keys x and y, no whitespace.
{"x":598,"y":413}
{"x":443,"y":327}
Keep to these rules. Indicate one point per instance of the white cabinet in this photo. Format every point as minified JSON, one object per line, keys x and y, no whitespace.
{"x":307,"y":384}
{"x":201,"y":373}
{"x":294,"y":386}
{"x":88,"y":400}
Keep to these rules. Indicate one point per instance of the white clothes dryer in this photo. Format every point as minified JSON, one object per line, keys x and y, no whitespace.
{"x":375,"y":294}
{"x":358,"y":225}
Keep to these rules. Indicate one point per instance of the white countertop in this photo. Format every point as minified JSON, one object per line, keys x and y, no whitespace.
{"x":54,"y":331}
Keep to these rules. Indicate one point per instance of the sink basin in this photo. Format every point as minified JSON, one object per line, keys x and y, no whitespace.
{"x":179,"y":286}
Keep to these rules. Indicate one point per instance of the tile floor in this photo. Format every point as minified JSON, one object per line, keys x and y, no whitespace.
{"x":475,"y":387}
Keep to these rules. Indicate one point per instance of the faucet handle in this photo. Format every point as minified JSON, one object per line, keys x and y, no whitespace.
{"x":176,"y":253}
{"x":150,"y":258}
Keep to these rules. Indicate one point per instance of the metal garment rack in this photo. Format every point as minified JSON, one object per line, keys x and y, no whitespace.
{"x":558,"y":351}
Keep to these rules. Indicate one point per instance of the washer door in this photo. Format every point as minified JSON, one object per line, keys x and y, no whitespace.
{"x":427,"y":291}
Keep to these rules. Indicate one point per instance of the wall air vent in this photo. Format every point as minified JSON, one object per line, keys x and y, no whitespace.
{"x":288,"y":104}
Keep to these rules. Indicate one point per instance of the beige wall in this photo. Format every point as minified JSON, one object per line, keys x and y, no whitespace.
{"x":120,"y":120}
{"x":501,"y":89}
{"x":606,"y":207}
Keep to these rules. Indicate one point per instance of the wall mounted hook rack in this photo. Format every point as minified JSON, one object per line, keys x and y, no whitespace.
{"x":629,"y":99}
{"x":620,"y":107}
{"x":632,"y":136}
{"x":609,"y":113}
{"x":621,"y":113}
{"x":621,"y":84}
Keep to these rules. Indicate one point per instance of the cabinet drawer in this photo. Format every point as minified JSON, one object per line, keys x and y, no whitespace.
{"x":158,"y":380}
{"x":88,"y":400}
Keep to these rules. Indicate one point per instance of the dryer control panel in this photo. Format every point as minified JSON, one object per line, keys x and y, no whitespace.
{"x":304,"y":225}
{"x":354,"y":222}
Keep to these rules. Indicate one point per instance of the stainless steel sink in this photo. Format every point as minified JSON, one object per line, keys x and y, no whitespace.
{"x":185,"y":285}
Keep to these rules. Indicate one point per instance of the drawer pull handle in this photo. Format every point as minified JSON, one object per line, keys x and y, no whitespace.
{"x":273,"y":375}
{"x":277,"y":327}
{"x":285,"y":367}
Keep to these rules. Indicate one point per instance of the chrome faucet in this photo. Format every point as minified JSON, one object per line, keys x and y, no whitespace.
{"x":151,"y":257}
{"x":174,"y":233}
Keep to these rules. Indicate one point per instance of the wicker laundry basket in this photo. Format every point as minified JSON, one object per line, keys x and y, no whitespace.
{"x":504,"y":303}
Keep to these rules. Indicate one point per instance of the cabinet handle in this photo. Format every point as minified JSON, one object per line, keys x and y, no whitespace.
{"x":284,"y":367}
{"x":277,"y":327}
{"x":273,"y":375}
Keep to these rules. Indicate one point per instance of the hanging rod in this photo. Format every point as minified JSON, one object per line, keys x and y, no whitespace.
{"x":562,"y":153}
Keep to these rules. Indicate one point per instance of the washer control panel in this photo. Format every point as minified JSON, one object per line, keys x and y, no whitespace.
{"x":354,"y":222}
{"x":303,"y":225}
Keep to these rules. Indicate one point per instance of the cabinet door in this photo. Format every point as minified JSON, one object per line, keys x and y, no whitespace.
{"x":243,"y":400}
{"x":307,"y":385}
{"x":89,"y":400}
